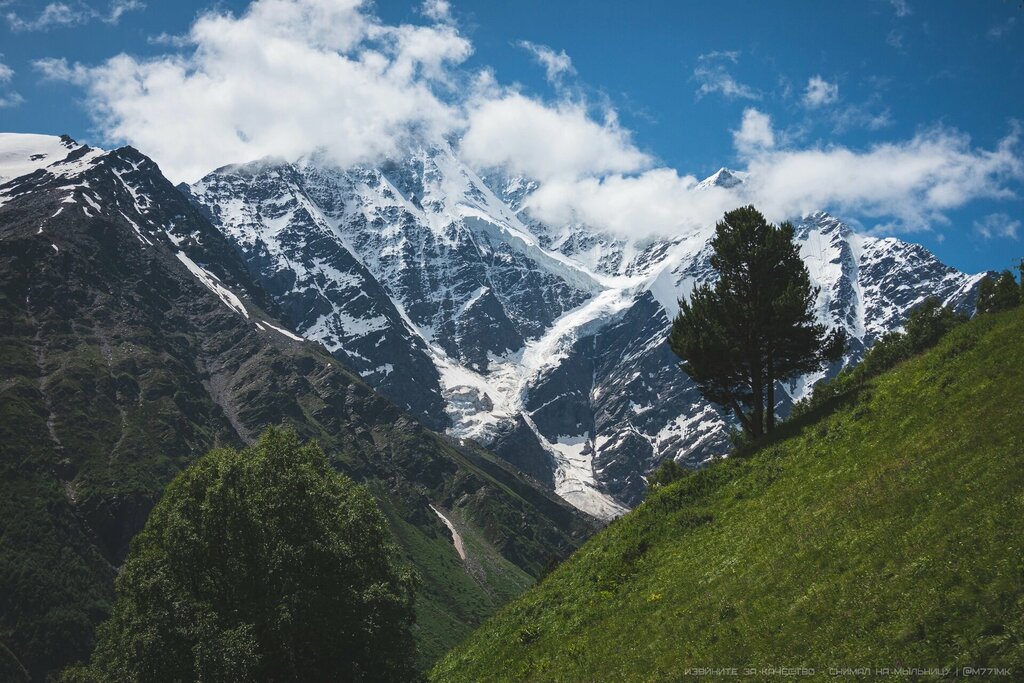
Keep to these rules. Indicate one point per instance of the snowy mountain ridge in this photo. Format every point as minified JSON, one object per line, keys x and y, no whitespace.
{"x":546,"y":343}
{"x":435,"y":284}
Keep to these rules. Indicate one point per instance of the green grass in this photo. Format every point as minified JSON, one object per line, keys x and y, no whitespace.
{"x":453,"y":598}
{"x":886,"y":533}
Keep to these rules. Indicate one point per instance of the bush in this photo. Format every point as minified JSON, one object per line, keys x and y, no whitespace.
{"x":666,"y":473}
{"x":263,"y":564}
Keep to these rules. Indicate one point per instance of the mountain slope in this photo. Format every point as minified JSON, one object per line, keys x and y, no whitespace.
{"x":133,"y":339}
{"x":545,"y":343}
{"x":885,"y":534}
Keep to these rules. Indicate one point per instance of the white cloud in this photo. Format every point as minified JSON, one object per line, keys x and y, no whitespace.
{"x":169,"y":40}
{"x":656,"y":202}
{"x":997,"y":225}
{"x":282,"y":79}
{"x":894,"y":39}
{"x":546,"y":142}
{"x":713,"y":75}
{"x":914,"y":182}
{"x":54,"y":14}
{"x":870,"y":115}
{"x":437,"y":10}
{"x":902,"y":186}
{"x":901,"y":8}
{"x":7,"y":98}
{"x":120,"y":7}
{"x":755,"y":132}
{"x":556,"y":64}
{"x":60,"y":70}
{"x":820,"y":92}
{"x":288,"y":77}
{"x":73,"y":13}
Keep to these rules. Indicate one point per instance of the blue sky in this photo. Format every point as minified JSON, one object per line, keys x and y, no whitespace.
{"x":657,"y":86}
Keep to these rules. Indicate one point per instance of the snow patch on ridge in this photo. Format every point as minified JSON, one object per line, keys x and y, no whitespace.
{"x":212,"y":282}
{"x":460,"y":547}
{"x":574,"y":474}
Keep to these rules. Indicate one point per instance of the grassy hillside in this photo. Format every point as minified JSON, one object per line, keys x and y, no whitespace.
{"x":886,"y":533}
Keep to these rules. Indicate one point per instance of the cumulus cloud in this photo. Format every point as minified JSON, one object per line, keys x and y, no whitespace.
{"x":282,"y":79}
{"x":997,"y":225}
{"x":915,"y":182}
{"x":547,"y":142}
{"x":73,"y":13}
{"x":712,"y":73}
{"x":659,"y":202}
{"x":755,"y":132}
{"x":289,"y":77}
{"x":820,"y":92}
{"x":904,"y":186}
{"x":437,"y":10}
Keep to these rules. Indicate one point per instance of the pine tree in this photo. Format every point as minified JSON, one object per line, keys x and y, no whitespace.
{"x":998,"y":294}
{"x":928,"y":323}
{"x":755,"y":325}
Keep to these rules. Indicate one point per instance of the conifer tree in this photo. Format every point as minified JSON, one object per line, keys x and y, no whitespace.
{"x":755,"y":325}
{"x":998,"y":293}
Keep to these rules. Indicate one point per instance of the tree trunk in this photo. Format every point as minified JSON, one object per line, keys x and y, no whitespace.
{"x":757,"y":417}
{"x":744,"y":419}
{"x":770,"y":414}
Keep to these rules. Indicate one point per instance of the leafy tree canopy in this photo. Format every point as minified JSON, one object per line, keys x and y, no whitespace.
{"x":262,"y":564}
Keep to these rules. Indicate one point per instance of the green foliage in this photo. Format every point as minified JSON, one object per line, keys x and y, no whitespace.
{"x":260,"y":564}
{"x":668,"y":472}
{"x":755,"y":325}
{"x":885,"y":534}
{"x":999,"y":294}
{"x":925,"y":326}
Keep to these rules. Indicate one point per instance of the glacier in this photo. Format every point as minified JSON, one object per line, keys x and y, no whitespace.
{"x":545,"y":343}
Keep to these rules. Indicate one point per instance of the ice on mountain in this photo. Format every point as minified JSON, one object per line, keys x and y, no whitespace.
{"x":212,"y":282}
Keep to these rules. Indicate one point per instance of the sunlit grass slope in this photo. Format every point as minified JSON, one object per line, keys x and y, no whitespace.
{"x":888,"y":532}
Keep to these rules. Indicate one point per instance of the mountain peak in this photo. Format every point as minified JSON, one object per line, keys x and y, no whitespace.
{"x":24,"y":153}
{"x":723,"y":178}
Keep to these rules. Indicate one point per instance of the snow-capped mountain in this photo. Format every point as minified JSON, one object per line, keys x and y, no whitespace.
{"x":546,"y":343}
{"x":135,"y":339}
